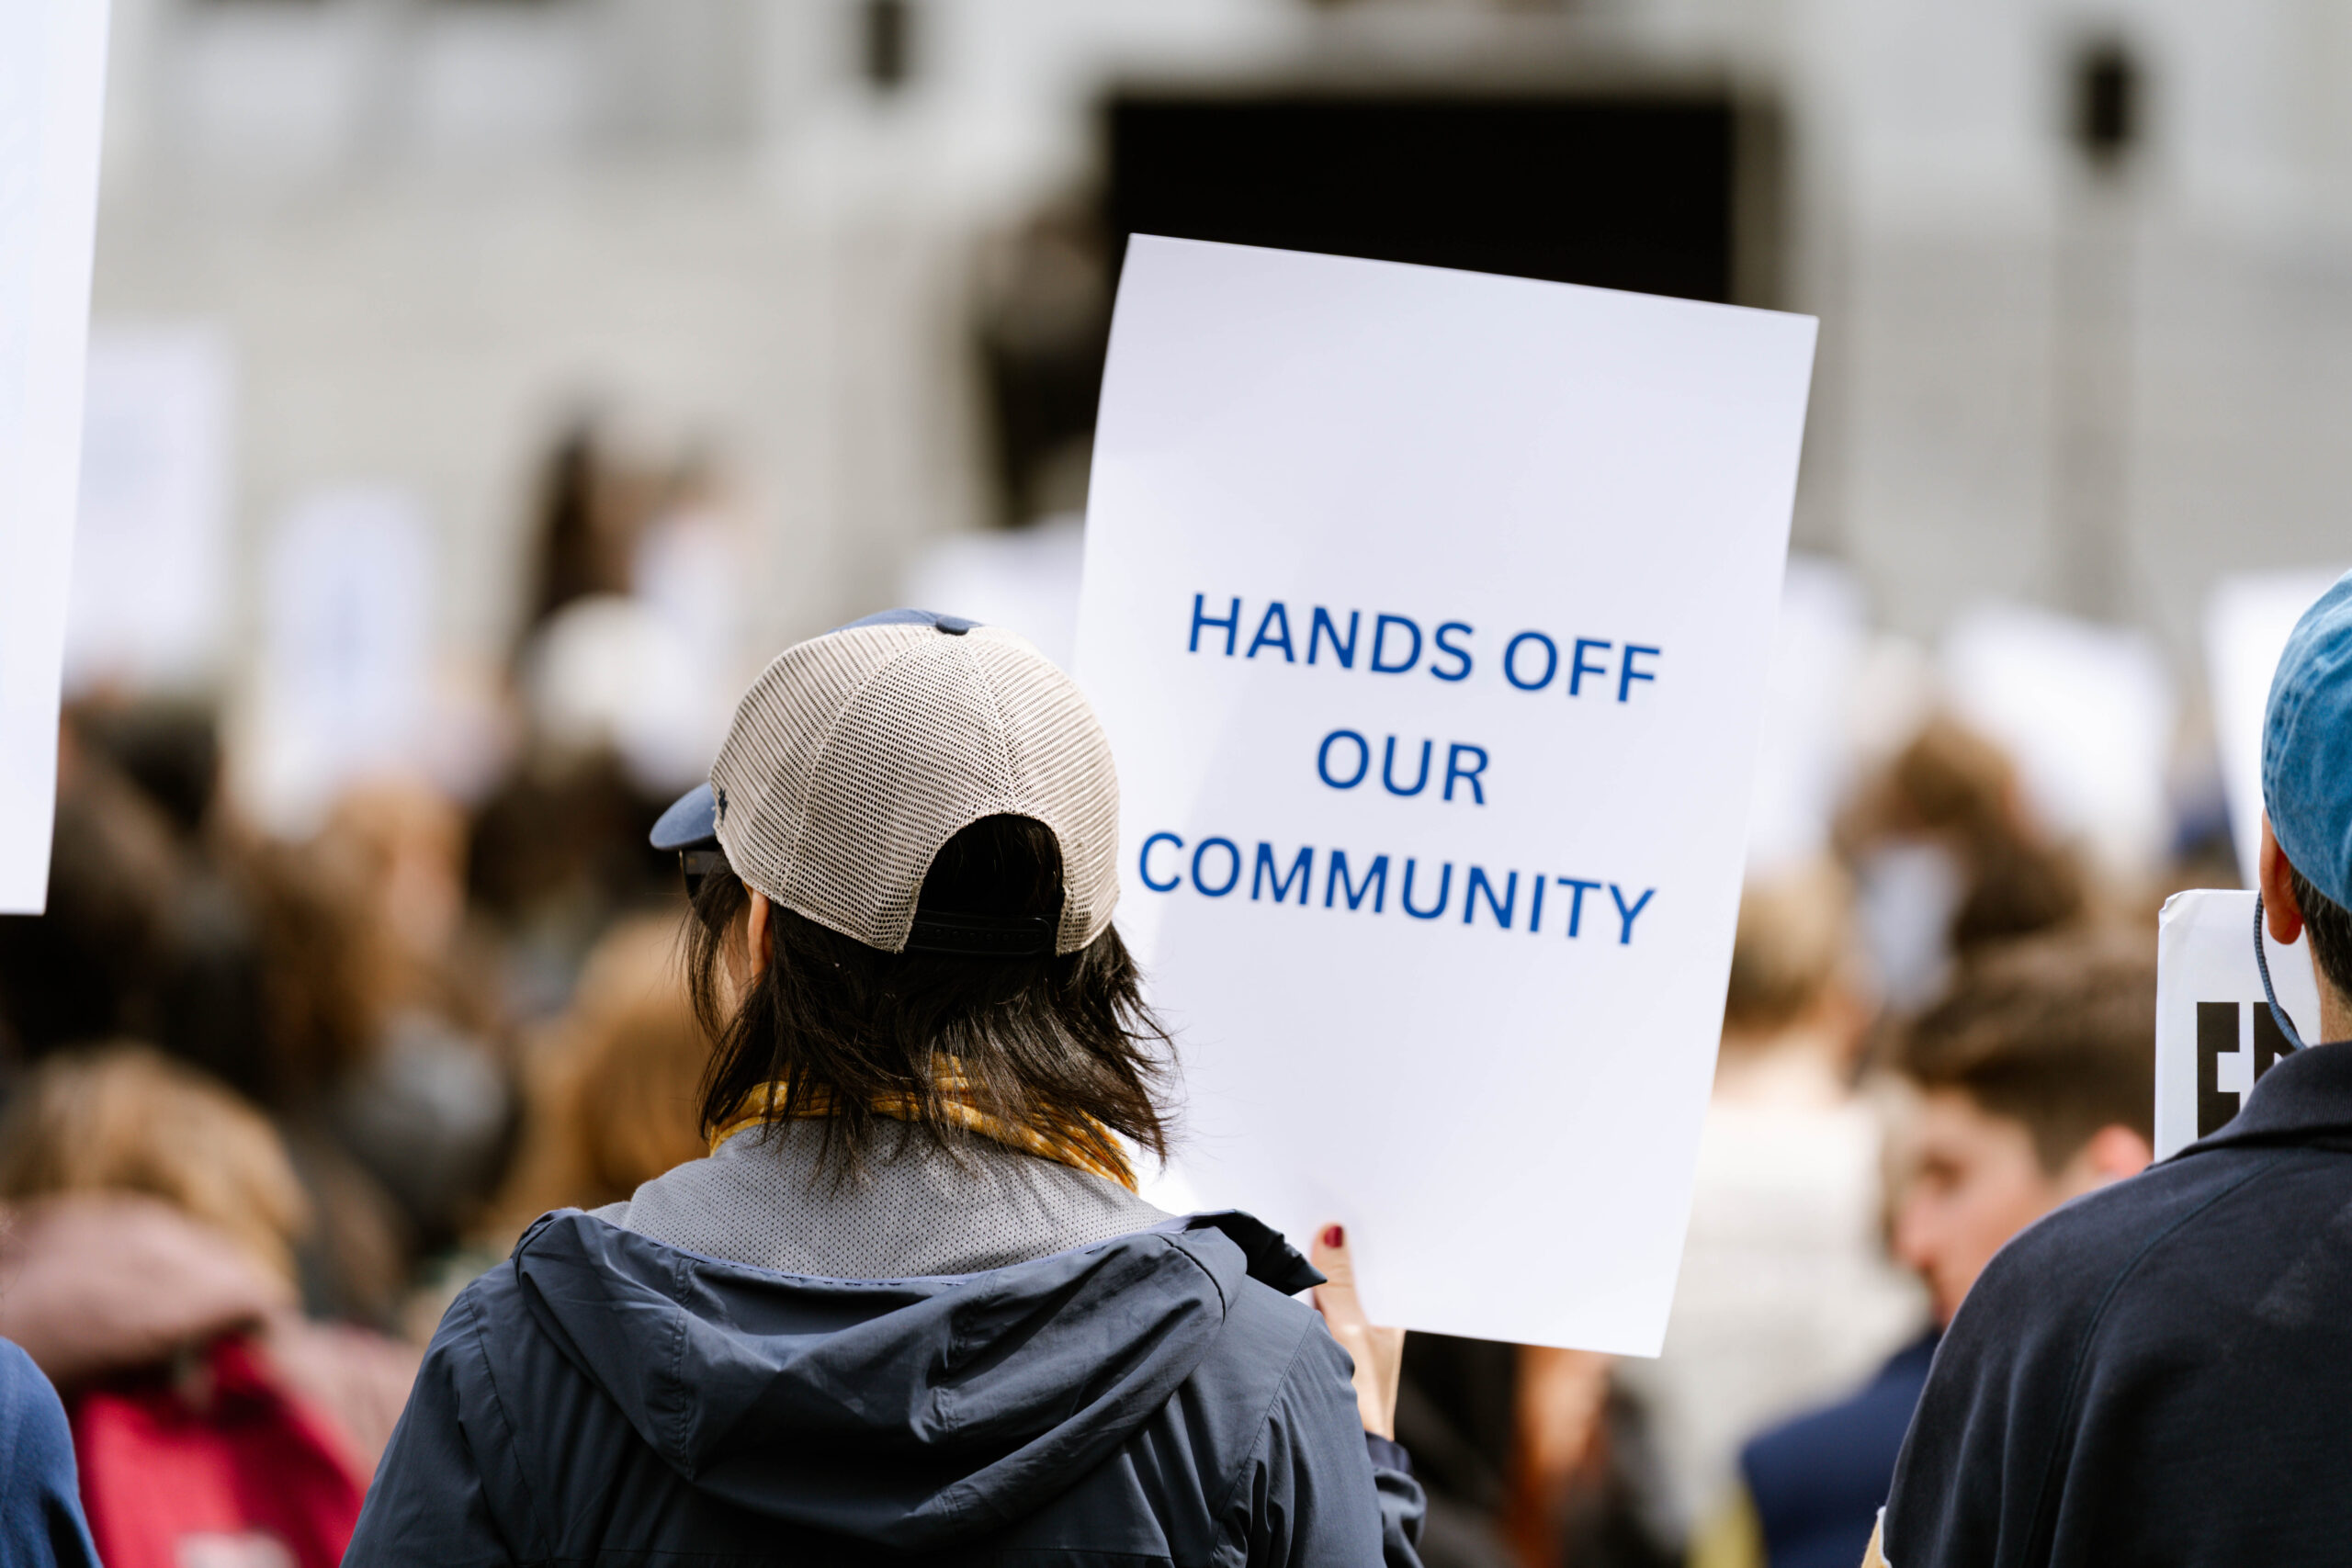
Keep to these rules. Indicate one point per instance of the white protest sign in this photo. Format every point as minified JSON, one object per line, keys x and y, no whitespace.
{"x":2087,"y":710}
{"x":53,"y":80}
{"x":1429,"y":614}
{"x":151,"y":547}
{"x":346,"y":680}
{"x":2247,"y":622}
{"x":1022,"y":578}
{"x":1805,"y":756}
{"x":2214,"y":1032}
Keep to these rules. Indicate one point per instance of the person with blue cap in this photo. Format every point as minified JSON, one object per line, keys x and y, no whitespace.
{"x":2161,"y":1372}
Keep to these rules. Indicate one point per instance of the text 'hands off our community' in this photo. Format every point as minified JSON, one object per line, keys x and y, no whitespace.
{"x":1581,"y":667}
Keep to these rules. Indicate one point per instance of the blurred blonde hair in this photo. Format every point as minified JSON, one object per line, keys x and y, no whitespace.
{"x":1795,"y":936}
{"x":124,"y":1118}
{"x":613,"y":1089}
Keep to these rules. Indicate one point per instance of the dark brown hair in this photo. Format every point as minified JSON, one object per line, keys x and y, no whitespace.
{"x":1061,"y":1041}
{"x":2056,"y":1032}
{"x":2331,"y":927}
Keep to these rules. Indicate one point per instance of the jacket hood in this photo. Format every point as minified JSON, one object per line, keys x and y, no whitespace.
{"x":909,"y":1412}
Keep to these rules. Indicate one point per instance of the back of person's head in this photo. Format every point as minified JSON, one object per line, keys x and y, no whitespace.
{"x":2328,"y":925}
{"x":2306,"y":763}
{"x":169,"y":747}
{"x":1953,"y":786}
{"x":928,"y":812}
{"x":613,"y":1089}
{"x":2057,"y":1033}
{"x":86,"y":970}
{"x":1055,"y":1040}
{"x":1794,"y":940}
{"x":1949,"y":778}
{"x":125,"y":1118}
{"x":321,"y":978}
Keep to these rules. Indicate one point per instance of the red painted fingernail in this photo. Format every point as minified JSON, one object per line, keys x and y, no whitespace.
{"x":1334,"y":1236}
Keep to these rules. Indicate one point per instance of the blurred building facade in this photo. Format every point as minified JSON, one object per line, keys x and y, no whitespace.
{"x":2084,"y":270}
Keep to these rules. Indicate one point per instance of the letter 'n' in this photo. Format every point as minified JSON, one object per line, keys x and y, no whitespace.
{"x":1500,"y":907}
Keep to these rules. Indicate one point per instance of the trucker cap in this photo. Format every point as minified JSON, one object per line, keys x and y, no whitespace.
{"x":857,"y":754}
{"x":2307,"y":745}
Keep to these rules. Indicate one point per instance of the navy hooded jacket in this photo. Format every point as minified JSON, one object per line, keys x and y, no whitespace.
{"x":603,"y":1397}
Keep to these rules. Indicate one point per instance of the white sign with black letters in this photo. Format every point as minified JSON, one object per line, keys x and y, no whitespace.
{"x":1429,"y":613}
{"x":53,"y":79}
{"x":2215,"y":1036}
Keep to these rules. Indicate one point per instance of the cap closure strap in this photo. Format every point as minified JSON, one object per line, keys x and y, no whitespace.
{"x":2262,"y":961}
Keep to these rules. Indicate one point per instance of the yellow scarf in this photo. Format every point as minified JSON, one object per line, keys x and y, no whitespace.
{"x":1077,"y":1140}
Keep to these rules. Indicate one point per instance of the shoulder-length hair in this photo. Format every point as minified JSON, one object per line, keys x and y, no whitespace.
{"x":1060,"y":1041}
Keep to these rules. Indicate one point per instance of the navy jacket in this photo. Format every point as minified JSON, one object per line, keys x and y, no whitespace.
{"x":2159,"y":1372}
{"x":601,"y":1398}
{"x":41,"y":1502}
{"x":1818,"y":1481}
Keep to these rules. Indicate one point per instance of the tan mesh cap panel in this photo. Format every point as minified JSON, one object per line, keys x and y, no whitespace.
{"x":856,"y":755}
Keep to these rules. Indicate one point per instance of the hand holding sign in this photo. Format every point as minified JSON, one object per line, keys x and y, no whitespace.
{"x":1378,"y":1353}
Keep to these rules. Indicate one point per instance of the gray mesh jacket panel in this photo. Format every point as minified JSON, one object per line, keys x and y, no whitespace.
{"x":761,"y":1201}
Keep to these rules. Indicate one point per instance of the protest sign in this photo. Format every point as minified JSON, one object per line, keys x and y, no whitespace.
{"x":345,"y":682}
{"x":2214,"y":1032}
{"x":52,"y":78}
{"x":2088,"y":712}
{"x":1805,"y":757}
{"x":151,"y":540}
{"x":1429,"y":614}
{"x":2247,"y":622}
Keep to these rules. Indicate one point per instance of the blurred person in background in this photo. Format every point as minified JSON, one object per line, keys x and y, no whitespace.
{"x":1457,"y":1410}
{"x":2159,"y":1372}
{"x":592,"y":507}
{"x":1786,"y":1293}
{"x":611,"y":1096}
{"x":147,"y":1257}
{"x":1530,"y":1457}
{"x":424,"y":1102}
{"x":92,"y":967}
{"x":289,"y":972}
{"x":1947,"y":858}
{"x":620,"y":672}
{"x":2030,"y":1082}
{"x":910,"y":1301}
{"x":613,"y":1088}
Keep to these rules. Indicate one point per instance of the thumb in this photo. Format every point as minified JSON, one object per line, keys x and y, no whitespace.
{"x":1336,"y":1299}
{"x":1378,"y":1353}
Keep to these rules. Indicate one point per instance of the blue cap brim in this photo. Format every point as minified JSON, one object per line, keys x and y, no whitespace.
{"x":692,"y":822}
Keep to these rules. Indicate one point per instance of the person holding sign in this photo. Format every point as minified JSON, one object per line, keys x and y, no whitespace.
{"x":2161,"y":1371}
{"x":912,"y":1303}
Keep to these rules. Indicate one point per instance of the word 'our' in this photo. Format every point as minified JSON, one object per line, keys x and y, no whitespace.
{"x":1344,"y":760}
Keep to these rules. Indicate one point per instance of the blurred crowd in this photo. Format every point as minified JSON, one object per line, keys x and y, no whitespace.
{"x":270,"y":1101}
